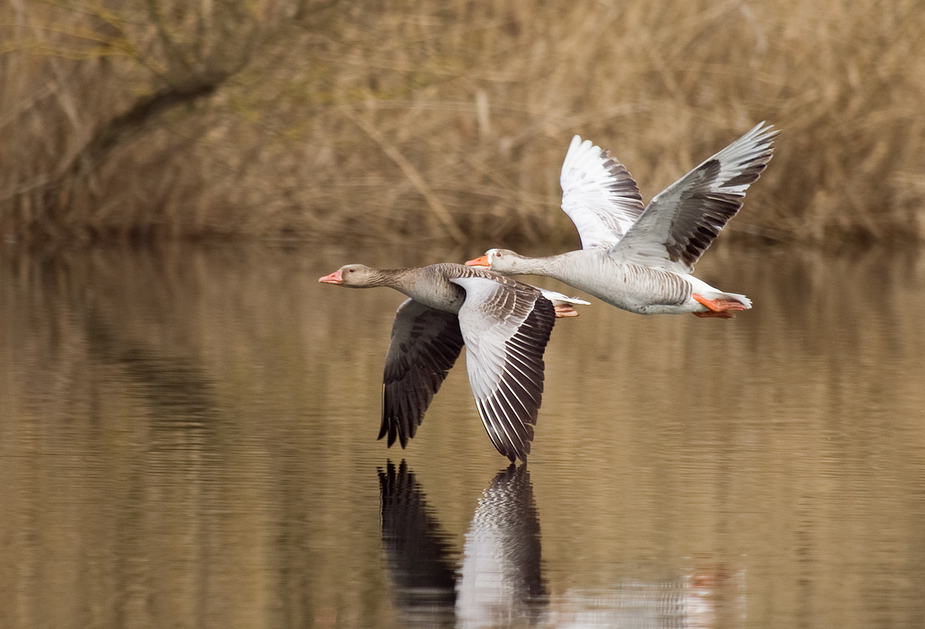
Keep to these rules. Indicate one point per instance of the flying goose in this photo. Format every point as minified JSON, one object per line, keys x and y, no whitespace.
{"x":641,"y":259}
{"x":504,"y":324}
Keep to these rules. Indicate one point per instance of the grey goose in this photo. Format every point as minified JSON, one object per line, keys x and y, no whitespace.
{"x":641,"y":259}
{"x":505,"y":326}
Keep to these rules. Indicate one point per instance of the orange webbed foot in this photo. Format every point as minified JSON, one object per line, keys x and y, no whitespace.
{"x":718,"y":308}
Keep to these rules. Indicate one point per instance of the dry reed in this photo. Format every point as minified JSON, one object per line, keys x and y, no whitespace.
{"x":448,"y":121}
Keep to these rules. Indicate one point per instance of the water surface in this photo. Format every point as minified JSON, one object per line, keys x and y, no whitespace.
{"x":187,"y":438}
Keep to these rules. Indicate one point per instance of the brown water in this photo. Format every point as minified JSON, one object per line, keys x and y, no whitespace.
{"x":187,"y":439}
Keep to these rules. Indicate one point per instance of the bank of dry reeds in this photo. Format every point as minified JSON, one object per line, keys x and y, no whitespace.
{"x":350,"y":119}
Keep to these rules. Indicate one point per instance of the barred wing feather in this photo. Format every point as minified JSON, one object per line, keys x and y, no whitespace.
{"x":598,"y":194}
{"x":506,"y":327}
{"x":681,"y":222}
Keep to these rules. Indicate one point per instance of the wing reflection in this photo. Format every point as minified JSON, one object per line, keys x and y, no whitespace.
{"x":417,"y":551}
{"x":500,"y":580}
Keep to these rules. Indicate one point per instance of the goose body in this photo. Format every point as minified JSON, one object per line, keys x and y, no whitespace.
{"x":504,"y":324}
{"x":641,"y":259}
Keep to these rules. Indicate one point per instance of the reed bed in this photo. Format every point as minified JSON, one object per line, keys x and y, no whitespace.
{"x":429,"y":121}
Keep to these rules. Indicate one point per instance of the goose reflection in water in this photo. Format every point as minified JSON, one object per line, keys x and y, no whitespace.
{"x":499,"y":582}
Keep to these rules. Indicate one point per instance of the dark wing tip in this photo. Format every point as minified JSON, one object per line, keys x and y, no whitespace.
{"x":623,"y":184}
{"x":425,"y":345}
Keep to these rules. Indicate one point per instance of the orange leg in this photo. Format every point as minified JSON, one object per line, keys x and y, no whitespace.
{"x":565,"y":311}
{"x":719,"y":308}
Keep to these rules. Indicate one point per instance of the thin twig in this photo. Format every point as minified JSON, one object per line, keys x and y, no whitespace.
{"x":413,"y":175}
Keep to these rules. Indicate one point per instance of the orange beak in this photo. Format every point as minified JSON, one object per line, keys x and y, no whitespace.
{"x":333,"y":278}
{"x":482,"y":262}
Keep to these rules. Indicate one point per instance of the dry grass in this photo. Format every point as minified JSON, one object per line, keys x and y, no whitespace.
{"x":448,"y":121}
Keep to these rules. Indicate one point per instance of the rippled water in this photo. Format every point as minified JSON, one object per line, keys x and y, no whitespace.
{"x":187,"y":438}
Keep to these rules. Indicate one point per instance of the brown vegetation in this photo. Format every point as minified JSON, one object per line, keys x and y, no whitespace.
{"x":447,"y":121}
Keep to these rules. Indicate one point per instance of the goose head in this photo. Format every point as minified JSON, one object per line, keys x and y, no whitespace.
{"x":353,"y":276}
{"x":502,"y":261}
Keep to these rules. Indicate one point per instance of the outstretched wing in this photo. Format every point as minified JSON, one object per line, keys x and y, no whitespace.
{"x":684,"y":219}
{"x":425,"y":344}
{"x":598,"y":194}
{"x":506,"y":326}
